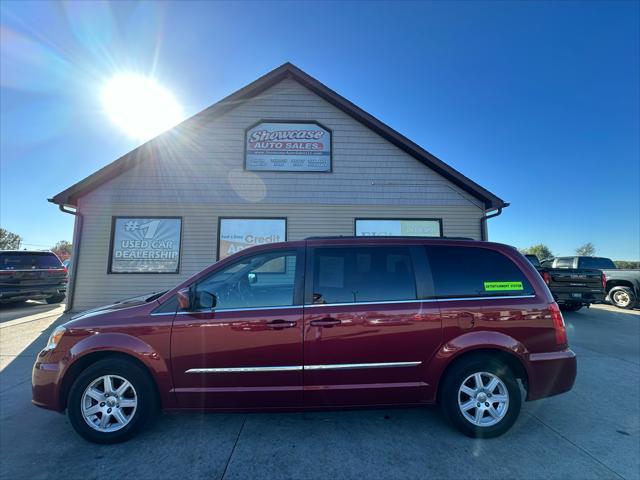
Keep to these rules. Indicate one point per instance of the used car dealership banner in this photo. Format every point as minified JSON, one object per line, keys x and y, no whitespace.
{"x":145,"y":245}
{"x":239,"y":233}
{"x":288,"y":147}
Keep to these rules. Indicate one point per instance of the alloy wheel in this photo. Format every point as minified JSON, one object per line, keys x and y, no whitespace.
{"x":483,"y":399}
{"x":621,"y":298}
{"x":109,"y":403}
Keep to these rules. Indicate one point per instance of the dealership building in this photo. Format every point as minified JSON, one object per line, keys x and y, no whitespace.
{"x":283,"y":158}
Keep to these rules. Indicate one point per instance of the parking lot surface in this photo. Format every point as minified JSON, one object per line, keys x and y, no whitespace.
{"x":591,"y":432}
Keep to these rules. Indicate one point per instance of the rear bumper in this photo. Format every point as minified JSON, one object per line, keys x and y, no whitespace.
{"x":551,"y":373}
{"x":32,"y":292}
{"x":578,"y":297}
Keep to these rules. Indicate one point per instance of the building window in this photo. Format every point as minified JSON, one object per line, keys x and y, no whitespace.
{"x":236,"y":234}
{"x":145,"y":245}
{"x":404,"y":227}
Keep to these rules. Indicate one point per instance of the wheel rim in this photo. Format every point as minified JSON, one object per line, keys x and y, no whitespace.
{"x":621,"y":298}
{"x":483,"y":399}
{"x":109,"y":403}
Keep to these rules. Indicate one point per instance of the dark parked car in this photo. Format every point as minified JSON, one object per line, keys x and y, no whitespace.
{"x":319,"y":323}
{"x":27,"y":275}
{"x":571,"y":287}
{"x":622,"y":286}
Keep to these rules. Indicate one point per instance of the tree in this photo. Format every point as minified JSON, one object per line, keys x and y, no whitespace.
{"x":62,"y":249}
{"x":540,"y":250}
{"x":626,"y":264}
{"x":587,"y":250}
{"x":9,"y":240}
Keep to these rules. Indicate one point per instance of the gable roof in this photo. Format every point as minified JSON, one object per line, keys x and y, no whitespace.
{"x":69,"y":197}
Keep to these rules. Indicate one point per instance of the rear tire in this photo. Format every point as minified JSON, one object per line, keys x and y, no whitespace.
{"x":55,"y":299}
{"x":96,"y":406}
{"x":570,"y":307}
{"x":490,"y":409}
{"x":622,"y":297}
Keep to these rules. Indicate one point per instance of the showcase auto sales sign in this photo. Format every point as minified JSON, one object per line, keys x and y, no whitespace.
{"x":288,"y":147}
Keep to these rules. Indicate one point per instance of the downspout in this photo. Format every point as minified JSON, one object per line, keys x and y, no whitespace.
{"x":483,"y":221}
{"x":77,"y":235}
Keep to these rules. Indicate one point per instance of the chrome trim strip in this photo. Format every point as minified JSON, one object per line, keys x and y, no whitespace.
{"x":424,"y":300}
{"x":287,"y":368}
{"x":504,"y":297}
{"x":367,"y":303}
{"x":381,"y":302}
{"x":350,"y":366}
{"x":290,"y":368}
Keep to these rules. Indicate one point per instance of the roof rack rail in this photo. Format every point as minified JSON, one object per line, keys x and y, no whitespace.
{"x":405,"y":237}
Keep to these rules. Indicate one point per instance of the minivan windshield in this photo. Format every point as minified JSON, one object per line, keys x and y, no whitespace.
{"x":28,"y":261}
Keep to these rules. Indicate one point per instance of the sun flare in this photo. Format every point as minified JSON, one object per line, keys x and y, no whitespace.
{"x":140,"y":106}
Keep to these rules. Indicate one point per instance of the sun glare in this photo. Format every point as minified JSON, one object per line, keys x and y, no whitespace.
{"x":140,"y":106}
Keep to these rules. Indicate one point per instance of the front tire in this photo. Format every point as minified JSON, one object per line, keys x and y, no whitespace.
{"x":481,"y":397}
{"x":622,"y":297}
{"x":111,"y":401}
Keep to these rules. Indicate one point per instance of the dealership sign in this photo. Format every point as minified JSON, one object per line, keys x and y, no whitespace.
{"x":236,"y":234}
{"x":288,"y":147}
{"x":404,"y":228}
{"x":145,"y":245}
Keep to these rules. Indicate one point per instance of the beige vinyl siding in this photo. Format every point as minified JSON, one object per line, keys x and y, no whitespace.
{"x":205,"y":163}
{"x":199,"y":237}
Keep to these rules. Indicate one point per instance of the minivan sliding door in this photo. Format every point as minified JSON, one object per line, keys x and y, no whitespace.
{"x":367,"y":335}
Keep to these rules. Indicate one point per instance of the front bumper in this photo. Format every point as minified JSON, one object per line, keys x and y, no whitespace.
{"x":551,"y":373}
{"x":45,"y":383}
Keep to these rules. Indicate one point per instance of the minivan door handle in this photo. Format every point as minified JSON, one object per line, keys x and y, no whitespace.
{"x":279,"y":324}
{"x":325,"y":322}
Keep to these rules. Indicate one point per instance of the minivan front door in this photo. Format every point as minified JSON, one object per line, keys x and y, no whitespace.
{"x":368,"y":336}
{"x":247,"y":350}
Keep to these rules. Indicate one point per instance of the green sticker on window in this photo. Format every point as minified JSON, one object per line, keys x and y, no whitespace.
{"x":502,"y":286}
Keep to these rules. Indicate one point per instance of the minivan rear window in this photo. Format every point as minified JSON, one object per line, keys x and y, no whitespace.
{"x":362,"y":274}
{"x":28,"y":261}
{"x":464,"y":272}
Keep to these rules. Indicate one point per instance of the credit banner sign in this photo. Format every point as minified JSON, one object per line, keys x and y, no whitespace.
{"x":288,"y":147}
{"x":145,"y":245}
{"x":405,"y":228}
{"x":236,"y":234}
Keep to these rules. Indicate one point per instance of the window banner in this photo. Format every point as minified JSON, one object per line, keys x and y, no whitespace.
{"x":239,"y":233}
{"x":145,"y":245}
{"x":393,"y":228}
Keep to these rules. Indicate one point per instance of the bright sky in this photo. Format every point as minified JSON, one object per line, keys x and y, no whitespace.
{"x":537,"y":101}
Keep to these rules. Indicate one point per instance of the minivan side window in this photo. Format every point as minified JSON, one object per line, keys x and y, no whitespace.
{"x":464,"y":272}
{"x":362,"y":274}
{"x":261,"y":280}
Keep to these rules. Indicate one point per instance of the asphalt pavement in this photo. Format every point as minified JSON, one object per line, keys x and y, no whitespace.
{"x":591,"y":432}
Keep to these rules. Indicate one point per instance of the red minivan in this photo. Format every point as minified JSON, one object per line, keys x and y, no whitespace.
{"x":319,"y":323}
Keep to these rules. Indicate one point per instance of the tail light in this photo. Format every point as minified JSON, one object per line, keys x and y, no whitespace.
{"x":558,"y":325}
{"x":546,"y":277}
{"x":604,"y":281}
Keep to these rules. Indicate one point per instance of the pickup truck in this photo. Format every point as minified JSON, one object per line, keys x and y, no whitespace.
{"x":572,"y":288}
{"x":622,"y":286}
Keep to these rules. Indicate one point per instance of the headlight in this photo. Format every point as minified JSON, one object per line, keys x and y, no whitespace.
{"x":55,"y":338}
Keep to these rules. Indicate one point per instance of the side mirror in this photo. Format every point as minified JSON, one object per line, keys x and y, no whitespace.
{"x":207,"y":300}
{"x":253,"y":277}
{"x":184,"y":299}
